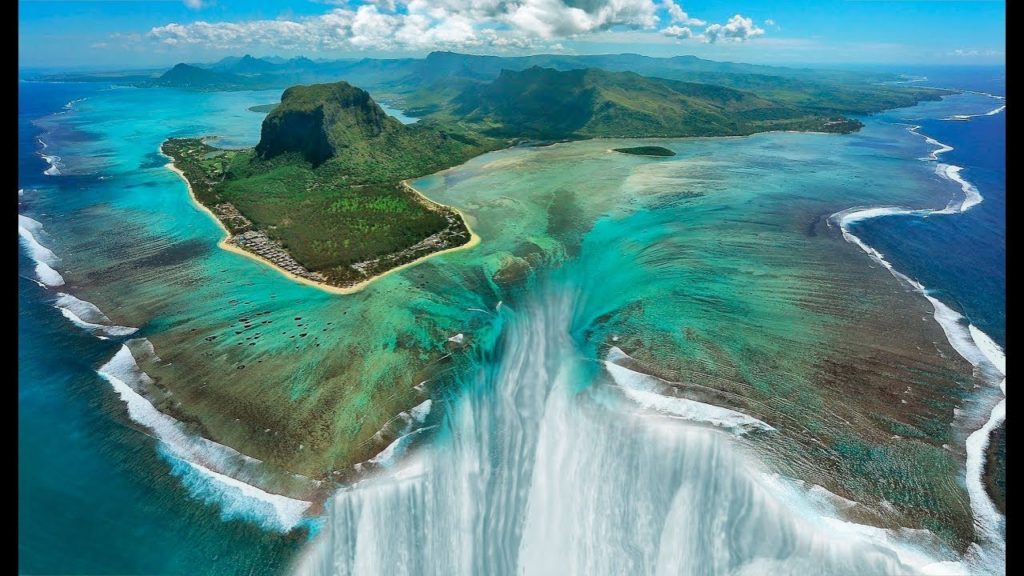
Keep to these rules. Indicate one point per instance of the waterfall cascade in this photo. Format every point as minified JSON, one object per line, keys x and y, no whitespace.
{"x":541,"y":468}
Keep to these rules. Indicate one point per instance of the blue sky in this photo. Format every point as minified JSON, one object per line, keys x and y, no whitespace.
{"x":144,"y":33}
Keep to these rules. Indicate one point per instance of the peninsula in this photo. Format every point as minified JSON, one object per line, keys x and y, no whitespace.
{"x":324,"y":196}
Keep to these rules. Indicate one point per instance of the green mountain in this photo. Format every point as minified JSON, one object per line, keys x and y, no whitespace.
{"x":425,"y":85}
{"x":819,"y":90}
{"x":341,"y":125}
{"x":249,"y":65}
{"x":324,"y":183}
{"x":316,"y":121}
{"x":324,"y":186}
{"x":546,"y":103}
{"x":194,"y":77}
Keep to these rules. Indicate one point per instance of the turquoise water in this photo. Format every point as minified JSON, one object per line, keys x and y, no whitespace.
{"x":94,"y":496}
{"x":717,"y":267}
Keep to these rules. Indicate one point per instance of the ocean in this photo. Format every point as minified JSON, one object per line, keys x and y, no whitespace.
{"x":94,"y":495}
{"x":689,"y":286}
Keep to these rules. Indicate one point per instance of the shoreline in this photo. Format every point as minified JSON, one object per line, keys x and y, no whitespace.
{"x":223,"y":243}
{"x":968,"y":341}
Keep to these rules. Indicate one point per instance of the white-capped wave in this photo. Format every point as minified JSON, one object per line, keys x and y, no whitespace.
{"x":990,"y":349}
{"x":941,"y":148}
{"x":44,"y":257}
{"x":971,"y":195}
{"x":969,"y":342}
{"x":71,"y":104}
{"x":646,"y":390}
{"x":213,"y":461}
{"x":915,"y":547}
{"x":87,"y":316}
{"x":236,"y":500}
{"x":27,"y":229}
{"x":988,"y":522}
{"x":55,"y":164}
{"x":394,"y":451}
{"x":408,"y":432}
{"x":48,"y":275}
{"x":991,"y":112}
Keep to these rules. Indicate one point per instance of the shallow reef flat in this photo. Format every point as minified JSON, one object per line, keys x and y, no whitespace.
{"x":716,"y":269}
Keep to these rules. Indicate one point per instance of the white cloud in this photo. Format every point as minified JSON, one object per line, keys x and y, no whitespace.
{"x":769,"y":22}
{"x":737,"y":29}
{"x":680,"y":32}
{"x":677,"y":16}
{"x":194,"y":4}
{"x":396,"y":25}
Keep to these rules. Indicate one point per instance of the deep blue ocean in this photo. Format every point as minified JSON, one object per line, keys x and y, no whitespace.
{"x":95,"y":496}
{"x":962,"y":259}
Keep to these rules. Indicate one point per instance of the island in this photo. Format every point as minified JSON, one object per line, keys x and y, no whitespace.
{"x":324,"y":197}
{"x":646,"y":151}
{"x":263,"y":108}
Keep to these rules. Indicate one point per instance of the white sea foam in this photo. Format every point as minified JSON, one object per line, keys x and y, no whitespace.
{"x":88,"y":317}
{"x":44,"y":257}
{"x":536,"y":476}
{"x":646,"y":390}
{"x":27,"y":229}
{"x":916,"y":548}
{"x":71,"y":104}
{"x":971,"y":195}
{"x":973,"y":345}
{"x":420,"y":412}
{"x":48,"y":275}
{"x":55,"y":164}
{"x":213,"y":461}
{"x":991,"y":112}
{"x":940,"y":149}
{"x":990,"y":349}
{"x":987,"y":519}
{"x":393,"y":453}
{"x":237,"y":499}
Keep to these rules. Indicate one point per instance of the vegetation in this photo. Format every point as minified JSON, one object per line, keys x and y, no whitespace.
{"x":325,"y":182}
{"x":646,"y":151}
{"x":323,"y":186}
{"x":263,"y":108}
{"x":546,"y":103}
{"x":426,"y":84}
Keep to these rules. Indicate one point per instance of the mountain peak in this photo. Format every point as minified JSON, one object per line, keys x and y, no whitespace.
{"x":319,"y":119}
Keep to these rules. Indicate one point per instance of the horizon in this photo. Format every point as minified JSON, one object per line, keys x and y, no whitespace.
{"x":138,"y":35}
{"x":866,"y":66}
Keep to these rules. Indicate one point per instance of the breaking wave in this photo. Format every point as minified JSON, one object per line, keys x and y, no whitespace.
{"x":530,"y":473}
{"x":989,"y":552}
{"x":44,"y":258}
{"x":88,"y":317}
{"x":211,"y":472}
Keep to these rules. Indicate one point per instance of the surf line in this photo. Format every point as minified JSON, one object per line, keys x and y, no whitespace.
{"x":79,"y":312}
{"x":209,"y":471}
{"x":992,"y":112}
{"x":968,"y":340}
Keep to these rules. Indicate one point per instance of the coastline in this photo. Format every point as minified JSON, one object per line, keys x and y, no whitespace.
{"x":223,"y":243}
{"x":966,"y":339}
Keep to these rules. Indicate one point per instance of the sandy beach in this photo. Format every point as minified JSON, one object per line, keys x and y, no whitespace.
{"x":223,"y":243}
